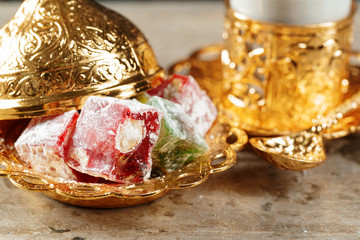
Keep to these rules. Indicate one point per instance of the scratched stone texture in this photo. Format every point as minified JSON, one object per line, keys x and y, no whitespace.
{"x":252,"y":200}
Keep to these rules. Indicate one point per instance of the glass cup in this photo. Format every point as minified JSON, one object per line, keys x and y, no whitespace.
{"x":279,"y":77}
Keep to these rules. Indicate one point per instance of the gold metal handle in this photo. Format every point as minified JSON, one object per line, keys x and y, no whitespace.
{"x":346,"y":107}
{"x":223,"y":161}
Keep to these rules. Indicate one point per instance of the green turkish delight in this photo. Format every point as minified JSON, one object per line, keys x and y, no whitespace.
{"x":179,"y":141}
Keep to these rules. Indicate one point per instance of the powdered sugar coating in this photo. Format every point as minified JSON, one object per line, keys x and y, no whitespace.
{"x":94,"y":148}
{"x":196,"y":103}
{"x":42,"y":144}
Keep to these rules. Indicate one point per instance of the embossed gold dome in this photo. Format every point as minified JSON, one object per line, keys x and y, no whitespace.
{"x":55,"y":53}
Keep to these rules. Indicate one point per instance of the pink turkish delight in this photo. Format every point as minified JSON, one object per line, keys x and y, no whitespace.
{"x":42,"y":146}
{"x":113,"y":139}
{"x":185,"y":91}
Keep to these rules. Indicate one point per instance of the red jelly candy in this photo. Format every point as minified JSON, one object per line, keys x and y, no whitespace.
{"x":43,"y":143}
{"x":185,"y":91}
{"x":113,"y":139}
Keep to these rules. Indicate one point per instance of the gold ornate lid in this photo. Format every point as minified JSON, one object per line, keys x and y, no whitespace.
{"x":56,"y":53}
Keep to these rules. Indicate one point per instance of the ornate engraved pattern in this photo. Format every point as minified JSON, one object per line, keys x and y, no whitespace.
{"x":284,"y":76}
{"x":54,"y":47}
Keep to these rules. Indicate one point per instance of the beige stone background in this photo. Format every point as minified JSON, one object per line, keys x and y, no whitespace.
{"x":252,"y":200}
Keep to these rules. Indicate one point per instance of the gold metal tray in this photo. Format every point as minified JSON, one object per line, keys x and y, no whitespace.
{"x":205,"y":65}
{"x":223,"y":141}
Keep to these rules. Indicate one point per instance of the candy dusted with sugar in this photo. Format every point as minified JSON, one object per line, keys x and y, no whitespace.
{"x":196,"y":103}
{"x":114,"y":138}
{"x":43,"y":143}
{"x":180,"y":141}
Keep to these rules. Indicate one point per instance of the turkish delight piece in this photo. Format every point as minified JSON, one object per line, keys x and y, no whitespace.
{"x":180,"y":141}
{"x":113,"y":139}
{"x":42,"y":146}
{"x":196,"y":103}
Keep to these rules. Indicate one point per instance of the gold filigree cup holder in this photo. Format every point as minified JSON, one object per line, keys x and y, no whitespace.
{"x":280,"y":77}
{"x":54,"y":54}
{"x":222,"y":139}
{"x":206,"y":67}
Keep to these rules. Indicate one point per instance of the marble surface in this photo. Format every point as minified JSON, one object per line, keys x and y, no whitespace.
{"x":252,"y":200}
